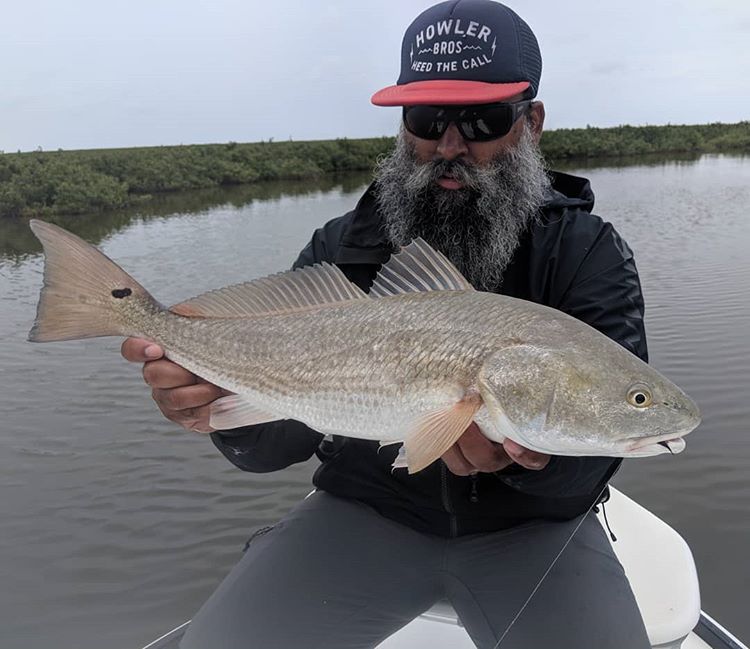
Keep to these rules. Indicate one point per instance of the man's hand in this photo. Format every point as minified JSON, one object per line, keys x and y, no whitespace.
{"x":181,"y":396}
{"x":473,"y":453}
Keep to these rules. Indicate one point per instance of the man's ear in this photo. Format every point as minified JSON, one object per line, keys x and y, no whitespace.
{"x":536,"y":119}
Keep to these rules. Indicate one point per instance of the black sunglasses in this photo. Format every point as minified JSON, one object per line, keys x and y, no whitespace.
{"x":476,"y":123}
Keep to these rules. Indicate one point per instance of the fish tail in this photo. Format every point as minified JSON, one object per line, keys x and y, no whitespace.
{"x":83,"y":292}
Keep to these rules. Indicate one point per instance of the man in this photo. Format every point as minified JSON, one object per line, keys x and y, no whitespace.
{"x":373,"y":548}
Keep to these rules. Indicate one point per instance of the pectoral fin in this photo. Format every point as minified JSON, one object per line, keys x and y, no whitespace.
{"x":434,"y":433}
{"x":235,"y":411}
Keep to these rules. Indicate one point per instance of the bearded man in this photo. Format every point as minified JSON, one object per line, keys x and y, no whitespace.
{"x":373,"y":548}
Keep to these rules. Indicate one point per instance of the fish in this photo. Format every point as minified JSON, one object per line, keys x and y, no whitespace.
{"x":413,"y":362}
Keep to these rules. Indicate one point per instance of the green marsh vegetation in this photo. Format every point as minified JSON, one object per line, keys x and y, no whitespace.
{"x":50,"y":184}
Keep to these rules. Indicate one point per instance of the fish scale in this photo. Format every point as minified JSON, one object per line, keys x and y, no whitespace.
{"x":380,"y":370}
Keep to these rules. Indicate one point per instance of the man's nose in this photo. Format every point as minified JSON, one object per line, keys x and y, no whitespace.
{"x":452,"y":144}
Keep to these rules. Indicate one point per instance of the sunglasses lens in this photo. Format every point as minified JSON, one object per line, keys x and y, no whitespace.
{"x":426,"y":122}
{"x":486,"y":123}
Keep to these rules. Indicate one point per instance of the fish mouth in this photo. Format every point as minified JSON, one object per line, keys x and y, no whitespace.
{"x":644,"y":446}
{"x":674,"y":446}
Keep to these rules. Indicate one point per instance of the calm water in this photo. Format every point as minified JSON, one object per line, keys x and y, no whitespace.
{"x":116,"y":526}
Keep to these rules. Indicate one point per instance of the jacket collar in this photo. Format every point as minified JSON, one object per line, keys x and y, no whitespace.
{"x":364,"y":241}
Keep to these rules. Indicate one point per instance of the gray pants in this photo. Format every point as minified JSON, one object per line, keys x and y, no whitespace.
{"x":334,"y":574}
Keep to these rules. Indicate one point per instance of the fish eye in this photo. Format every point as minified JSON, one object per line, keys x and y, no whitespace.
{"x":639,"y":396}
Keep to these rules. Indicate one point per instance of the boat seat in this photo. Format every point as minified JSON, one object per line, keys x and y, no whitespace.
{"x":661,"y":570}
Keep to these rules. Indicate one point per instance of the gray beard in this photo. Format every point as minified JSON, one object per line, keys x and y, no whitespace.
{"x":478,"y":227}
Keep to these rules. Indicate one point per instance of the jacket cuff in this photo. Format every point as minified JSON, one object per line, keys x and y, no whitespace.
{"x":563,"y":477}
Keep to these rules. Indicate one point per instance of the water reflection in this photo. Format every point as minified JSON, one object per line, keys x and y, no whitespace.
{"x":682,"y":159}
{"x":17,"y":240}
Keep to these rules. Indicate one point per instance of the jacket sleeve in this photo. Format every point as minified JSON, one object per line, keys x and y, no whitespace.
{"x":604,"y":291}
{"x":278,"y":444}
{"x":268,"y":447}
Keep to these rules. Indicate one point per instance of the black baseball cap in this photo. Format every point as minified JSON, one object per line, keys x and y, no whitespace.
{"x":465,"y":52}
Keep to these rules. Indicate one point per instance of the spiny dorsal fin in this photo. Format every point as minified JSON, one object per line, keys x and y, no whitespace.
{"x":416,"y":268}
{"x":295,"y":291}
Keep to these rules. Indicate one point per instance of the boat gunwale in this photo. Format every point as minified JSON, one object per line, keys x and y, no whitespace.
{"x":707,"y":629}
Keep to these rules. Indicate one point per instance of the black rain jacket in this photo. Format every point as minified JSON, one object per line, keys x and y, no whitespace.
{"x":572,"y":261}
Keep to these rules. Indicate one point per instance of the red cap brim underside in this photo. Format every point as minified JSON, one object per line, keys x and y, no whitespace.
{"x":441,"y":91}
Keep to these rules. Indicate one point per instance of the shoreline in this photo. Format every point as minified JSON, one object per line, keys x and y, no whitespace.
{"x":51,"y":183}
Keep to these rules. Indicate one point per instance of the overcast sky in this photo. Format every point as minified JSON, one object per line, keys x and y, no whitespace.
{"x":113,"y":73}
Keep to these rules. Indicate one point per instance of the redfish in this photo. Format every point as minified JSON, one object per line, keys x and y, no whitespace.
{"x":414,"y":362}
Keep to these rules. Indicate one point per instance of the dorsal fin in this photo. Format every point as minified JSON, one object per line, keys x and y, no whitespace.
{"x":295,"y":291}
{"x":416,"y":268}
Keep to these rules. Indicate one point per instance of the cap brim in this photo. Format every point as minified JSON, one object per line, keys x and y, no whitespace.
{"x":443,"y":91}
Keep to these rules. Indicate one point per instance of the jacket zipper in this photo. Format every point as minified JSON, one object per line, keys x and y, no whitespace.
{"x":474,"y":495}
{"x":447,"y":500}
